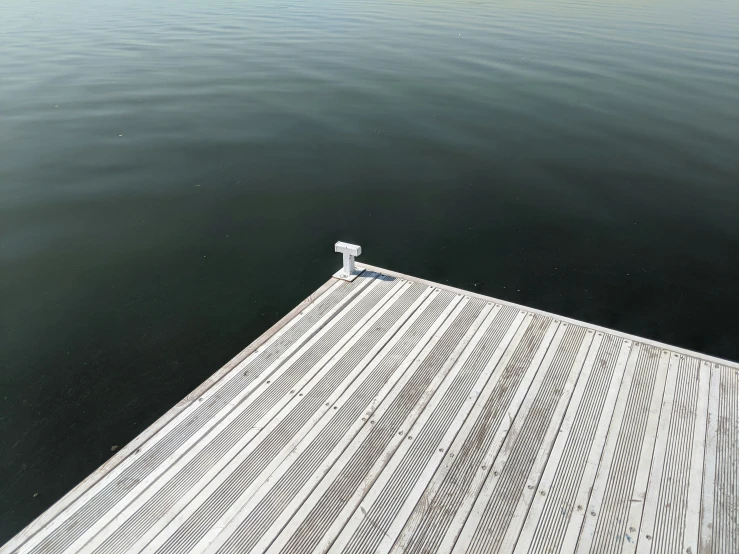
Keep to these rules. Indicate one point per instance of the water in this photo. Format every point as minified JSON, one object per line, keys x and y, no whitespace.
{"x":173,"y":176}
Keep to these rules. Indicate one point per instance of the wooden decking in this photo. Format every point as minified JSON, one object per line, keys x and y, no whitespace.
{"x":390,"y":414}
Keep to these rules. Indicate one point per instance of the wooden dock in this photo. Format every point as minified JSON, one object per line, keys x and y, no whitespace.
{"x":390,"y":414}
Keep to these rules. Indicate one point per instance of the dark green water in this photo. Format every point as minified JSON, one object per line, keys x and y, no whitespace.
{"x":173,"y":176}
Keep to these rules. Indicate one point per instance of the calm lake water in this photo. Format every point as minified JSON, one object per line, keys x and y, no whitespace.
{"x":173,"y":176}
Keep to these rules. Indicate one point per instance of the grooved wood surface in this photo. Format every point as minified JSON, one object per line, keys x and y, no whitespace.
{"x":390,"y":414}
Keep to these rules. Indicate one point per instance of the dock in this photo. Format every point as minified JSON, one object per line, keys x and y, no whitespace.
{"x":389,"y":414}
